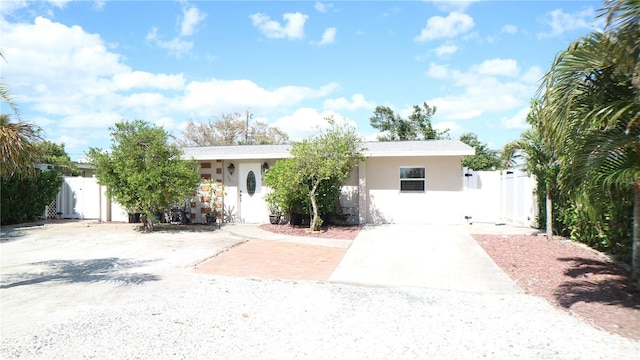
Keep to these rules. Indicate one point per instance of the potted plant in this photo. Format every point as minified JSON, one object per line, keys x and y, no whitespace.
{"x":274,"y":209}
{"x":213,"y":190}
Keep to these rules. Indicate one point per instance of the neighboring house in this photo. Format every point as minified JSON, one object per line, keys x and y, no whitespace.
{"x":400,"y":182}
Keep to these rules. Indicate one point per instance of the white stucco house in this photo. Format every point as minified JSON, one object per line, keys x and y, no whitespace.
{"x":400,"y":182}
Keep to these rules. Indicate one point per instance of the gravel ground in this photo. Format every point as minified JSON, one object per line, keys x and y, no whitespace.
{"x":209,"y":317}
{"x":159,"y":308}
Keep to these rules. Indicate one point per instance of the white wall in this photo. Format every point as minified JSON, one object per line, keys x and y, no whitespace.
{"x":439,"y":204}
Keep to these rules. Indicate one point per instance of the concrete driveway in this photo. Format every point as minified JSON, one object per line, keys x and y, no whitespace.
{"x":442,"y":257}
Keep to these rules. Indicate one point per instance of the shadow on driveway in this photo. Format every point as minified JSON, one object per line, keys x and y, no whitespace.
{"x":81,"y":271}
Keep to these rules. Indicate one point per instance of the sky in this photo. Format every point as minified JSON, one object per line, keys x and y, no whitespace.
{"x":75,"y":68}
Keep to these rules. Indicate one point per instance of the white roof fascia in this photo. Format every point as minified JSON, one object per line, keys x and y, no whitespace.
{"x":416,"y":153}
{"x":380,"y":149}
{"x":217,"y":156}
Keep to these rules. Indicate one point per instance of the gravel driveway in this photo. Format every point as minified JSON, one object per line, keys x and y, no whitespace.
{"x":87,"y":290}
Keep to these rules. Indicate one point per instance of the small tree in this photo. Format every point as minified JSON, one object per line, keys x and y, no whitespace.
{"x":53,"y":154}
{"x":416,"y":127}
{"x":328,"y":156}
{"x":484,"y":158}
{"x":142,"y":171}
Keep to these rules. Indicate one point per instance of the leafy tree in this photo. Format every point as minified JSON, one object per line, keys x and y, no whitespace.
{"x":329,"y":156}
{"x":230,"y":129}
{"x":55,"y":155}
{"x":591,"y":101}
{"x":416,"y":127}
{"x":290,"y":190}
{"x":142,"y":171}
{"x":263,"y":134}
{"x":484,"y":158}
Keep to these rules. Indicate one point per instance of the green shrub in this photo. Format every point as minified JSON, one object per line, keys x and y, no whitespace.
{"x":290,"y":193}
{"x":24,"y":200}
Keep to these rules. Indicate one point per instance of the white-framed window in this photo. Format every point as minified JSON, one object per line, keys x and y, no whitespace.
{"x":413,"y":179}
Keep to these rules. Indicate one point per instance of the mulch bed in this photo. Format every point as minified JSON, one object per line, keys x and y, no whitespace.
{"x":327,"y":232}
{"x":570,"y":276}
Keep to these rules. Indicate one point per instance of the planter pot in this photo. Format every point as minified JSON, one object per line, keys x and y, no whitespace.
{"x":274,"y":219}
{"x":300,"y":219}
{"x":133,"y":218}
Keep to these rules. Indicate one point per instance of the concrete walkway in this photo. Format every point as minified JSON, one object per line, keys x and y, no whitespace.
{"x":443,"y":257}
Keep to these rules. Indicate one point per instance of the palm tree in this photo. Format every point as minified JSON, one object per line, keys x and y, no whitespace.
{"x":17,"y":147}
{"x":17,"y":140}
{"x":541,"y":158}
{"x":591,"y":110}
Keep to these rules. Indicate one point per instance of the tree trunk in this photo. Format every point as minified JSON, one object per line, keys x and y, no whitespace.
{"x":635,"y":244}
{"x":549,"y":206}
{"x":147,"y":222}
{"x":312,"y":195}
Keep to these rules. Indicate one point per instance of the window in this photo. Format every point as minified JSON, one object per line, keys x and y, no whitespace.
{"x":251,"y":183}
{"x":413,"y":179}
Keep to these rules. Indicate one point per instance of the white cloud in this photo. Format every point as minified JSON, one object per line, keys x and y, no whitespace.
{"x":446,"y":49}
{"x":500,"y":67}
{"x":69,"y":80}
{"x":306,"y":121}
{"x":453,"y":127}
{"x":191,"y":17}
{"x":98,"y":5}
{"x":438,"y":71}
{"x":9,"y":7}
{"x":517,"y":121}
{"x":533,"y":75}
{"x":357,"y":102}
{"x":509,"y":29}
{"x":203,"y":98}
{"x":448,"y":5}
{"x":294,"y":28}
{"x":322,"y":7}
{"x":176,"y":46}
{"x":328,"y":37}
{"x":59,"y":3}
{"x":143,"y":79}
{"x":474,"y":100}
{"x":561,"y":22}
{"x":439,"y":27}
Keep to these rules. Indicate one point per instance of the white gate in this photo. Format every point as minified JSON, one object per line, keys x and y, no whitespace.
{"x":79,"y":198}
{"x":84,"y":198}
{"x":505,"y":196}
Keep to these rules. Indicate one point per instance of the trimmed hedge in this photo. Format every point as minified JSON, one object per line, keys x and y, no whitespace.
{"x":23,"y":200}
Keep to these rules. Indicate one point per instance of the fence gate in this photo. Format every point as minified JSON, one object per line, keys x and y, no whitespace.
{"x":78,"y":198}
{"x":505,"y":196}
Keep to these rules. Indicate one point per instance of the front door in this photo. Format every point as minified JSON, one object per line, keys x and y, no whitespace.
{"x":252,"y":206}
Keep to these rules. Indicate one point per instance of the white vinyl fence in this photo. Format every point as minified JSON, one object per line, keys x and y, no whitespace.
{"x":505,"y":196}
{"x":84,"y":198}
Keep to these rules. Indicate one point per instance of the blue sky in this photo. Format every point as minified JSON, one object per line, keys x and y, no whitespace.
{"x":77,"y":67}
